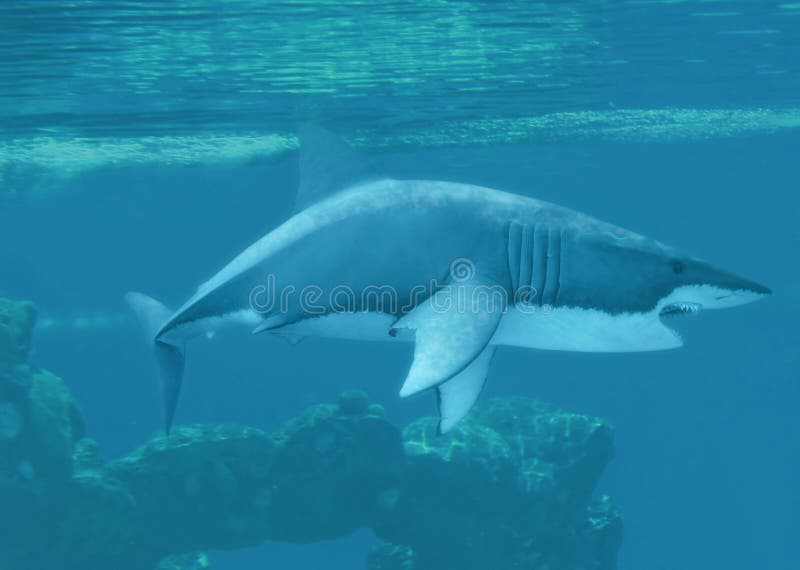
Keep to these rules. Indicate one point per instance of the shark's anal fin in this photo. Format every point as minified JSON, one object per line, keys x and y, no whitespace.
{"x":457,"y":396}
{"x":450,"y":329}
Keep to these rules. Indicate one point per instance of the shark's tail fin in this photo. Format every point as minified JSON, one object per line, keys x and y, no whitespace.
{"x":170,"y":358}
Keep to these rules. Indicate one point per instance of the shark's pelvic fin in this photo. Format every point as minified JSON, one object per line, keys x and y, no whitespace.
{"x":450,"y":330}
{"x":170,"y":358}
{"x":457,"y":396}
{"x":327,"y":165}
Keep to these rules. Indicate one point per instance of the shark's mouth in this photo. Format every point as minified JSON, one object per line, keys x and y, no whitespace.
{"x":676,"y":309}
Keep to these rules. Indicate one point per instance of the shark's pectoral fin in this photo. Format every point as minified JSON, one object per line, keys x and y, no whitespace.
{"x":450,"y":329}
{"x":457,"y":396}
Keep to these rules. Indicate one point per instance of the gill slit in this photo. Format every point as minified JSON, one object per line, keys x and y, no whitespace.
{"x":534,"y":260}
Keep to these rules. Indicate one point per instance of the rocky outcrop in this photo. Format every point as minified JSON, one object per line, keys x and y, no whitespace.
{"x":510,"y":488}
{"x":39,"y":427}
{"x":219,"y":487}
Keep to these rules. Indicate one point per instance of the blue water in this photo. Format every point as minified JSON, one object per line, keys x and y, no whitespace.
{"x":142,"y":145}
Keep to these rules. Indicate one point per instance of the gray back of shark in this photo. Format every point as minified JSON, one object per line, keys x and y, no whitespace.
{"x":457,"y":269}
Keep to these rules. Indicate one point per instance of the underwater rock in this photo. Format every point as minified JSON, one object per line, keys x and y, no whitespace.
{"x":391,"y":557}
{"x":552,"y":448}
{"x":86,"y":456}
{"x":39,"y":425}
{"x":503,"y":489}
{"x":39,"y":420}
{"x":10,"y":420}
{"x":221,"y":487}
{"x":335,"y":464}
{"x":589,"y":545}
{"x":200,"y":488}
{"x":352,"y":402}
{"x":54,"y":424}
{"x":510,"y":488}
{"x":602,"y":534}
{"x":16,"y":324}
{"x":458,"y":504}
{"x":97,"y":527}
{"x":185,"y":562}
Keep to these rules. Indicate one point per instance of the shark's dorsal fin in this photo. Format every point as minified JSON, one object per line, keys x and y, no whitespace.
{"x":327,"y":165}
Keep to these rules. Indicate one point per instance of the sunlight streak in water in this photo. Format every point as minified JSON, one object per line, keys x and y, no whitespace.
{"x":35,"y":164}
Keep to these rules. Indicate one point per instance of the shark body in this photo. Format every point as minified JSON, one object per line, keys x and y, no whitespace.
{"x":457,"y":269}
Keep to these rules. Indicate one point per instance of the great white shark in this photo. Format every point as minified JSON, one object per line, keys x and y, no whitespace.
{"x":455,"y":268}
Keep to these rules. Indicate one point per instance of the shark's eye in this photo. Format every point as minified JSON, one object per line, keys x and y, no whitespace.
{"x":677,"y":267}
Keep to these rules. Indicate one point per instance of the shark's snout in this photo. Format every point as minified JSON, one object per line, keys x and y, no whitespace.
{"x":757,"y":289}
{"x":729,"y":290}
{"x":725,"y":299}
{"x":708,"y":287}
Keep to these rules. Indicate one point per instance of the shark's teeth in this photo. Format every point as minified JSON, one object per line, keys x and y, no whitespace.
{"x":681,"y":309}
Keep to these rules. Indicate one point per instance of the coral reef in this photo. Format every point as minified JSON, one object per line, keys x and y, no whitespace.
{"x":510,"y":488}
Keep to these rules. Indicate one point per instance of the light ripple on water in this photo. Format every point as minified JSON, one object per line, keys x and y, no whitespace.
{"x":89,"y":85}
{"x":128,"y":69}
{"x":41,"y":163}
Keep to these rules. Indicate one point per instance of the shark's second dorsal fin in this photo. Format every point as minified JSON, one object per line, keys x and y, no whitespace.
{"x":327,"y":165}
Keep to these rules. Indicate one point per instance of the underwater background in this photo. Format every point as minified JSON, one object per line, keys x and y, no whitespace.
{"x":144,"y":144}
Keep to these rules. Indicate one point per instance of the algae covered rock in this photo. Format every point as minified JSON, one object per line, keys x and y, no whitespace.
{"x":320,"y":476}
{"x":185,"y":562}
{"x":10,"y":421}
{"x":510,"y":488}
{"x":391,"y":557}
{"x":16,"y":324}
{"x":602,"y":534}
{"x":96,"y":525}
{"x":54,"y":425}
{"x":39,"y":420}
{"x":39,"y":426}
{"x":457,"y":488}
{"x":352,"y":402}
{"x":335,"y":466}
{"x":505,"y":489}
{"x":591,"y":544}
{"x":572,"y":449}
{"x":200,"y":487}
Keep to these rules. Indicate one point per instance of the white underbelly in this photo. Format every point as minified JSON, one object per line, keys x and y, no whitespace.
{"x":570,"y":329}
{"x":585,"y":330}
